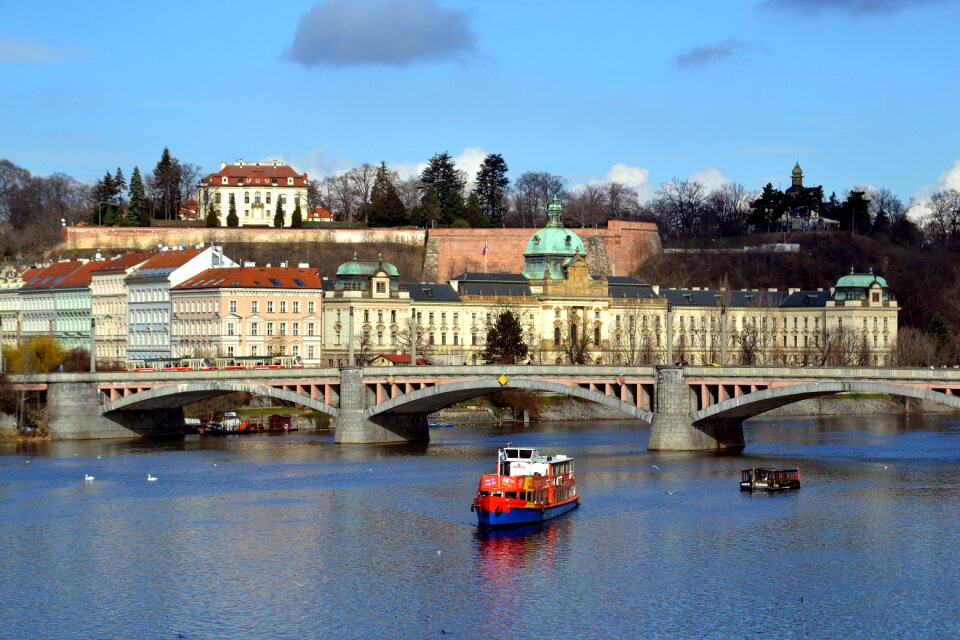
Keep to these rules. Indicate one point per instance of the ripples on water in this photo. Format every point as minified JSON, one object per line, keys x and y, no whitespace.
{"x":295,"y":537}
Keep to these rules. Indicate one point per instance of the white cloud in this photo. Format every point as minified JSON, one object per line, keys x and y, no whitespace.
{"x":710,"y":178}
{"x":468,"y":161}
{"x":636,"y":178}
{"x":21,"y":51}
{"x":949,"y":179}
{"x":317,"y":163}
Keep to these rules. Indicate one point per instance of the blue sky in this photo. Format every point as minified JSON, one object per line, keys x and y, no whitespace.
{"x":861,"y":92}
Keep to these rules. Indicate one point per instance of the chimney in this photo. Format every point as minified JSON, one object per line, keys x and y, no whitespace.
{"x":223,"y":165}
{"x":303,"y":265}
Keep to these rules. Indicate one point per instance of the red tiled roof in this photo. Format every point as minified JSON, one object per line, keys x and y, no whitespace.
{"x":321,"y":213}
{"x":256,"y":173}
{"x":169,"y":259}
{"x":254,"y":278}
{"x":52,"y":275}
{"x":79,"y":277}
{"x":124,"y":262}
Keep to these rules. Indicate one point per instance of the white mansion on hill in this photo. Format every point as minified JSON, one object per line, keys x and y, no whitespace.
{"x":256,"y":188}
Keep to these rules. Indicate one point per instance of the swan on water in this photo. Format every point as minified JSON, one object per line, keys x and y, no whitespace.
{"x":87,"y":477}
{"x":151,"y":478}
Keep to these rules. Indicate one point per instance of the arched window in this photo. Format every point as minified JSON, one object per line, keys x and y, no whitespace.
{"x":256,"y":197}
{"x":268,"y":197}
{"x":246,"y":197}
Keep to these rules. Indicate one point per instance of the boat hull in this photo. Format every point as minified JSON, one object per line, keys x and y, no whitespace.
{"x":515,"y":517}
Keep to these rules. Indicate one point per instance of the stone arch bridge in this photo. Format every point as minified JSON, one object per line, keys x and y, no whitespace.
{"x":687,"y":408}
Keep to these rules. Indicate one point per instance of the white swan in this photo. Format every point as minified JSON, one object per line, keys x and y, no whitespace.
{"x":151,"y":478}
{"x":87,"y":477}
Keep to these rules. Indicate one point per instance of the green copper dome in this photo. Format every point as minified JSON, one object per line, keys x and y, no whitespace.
{"x":552,"y":247}
{"x":854,"y":286}
{"x":358,"y":267}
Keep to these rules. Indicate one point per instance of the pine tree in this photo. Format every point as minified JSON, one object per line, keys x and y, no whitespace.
{"x":505,"y":343}
{"x":430,"y":207}
{"x":442,"y":175}
{"x":166,"y":184}
{"x":137,"y":208}
{"x":491,"y":188}
{"x":474,"y":212}
{"x":278,"y":216}
{"x":232,"y":219}
{"x":385,"y":208}
{"x":212,"y":219}
{"x":296,"y":218}
{"x":120,"y":184}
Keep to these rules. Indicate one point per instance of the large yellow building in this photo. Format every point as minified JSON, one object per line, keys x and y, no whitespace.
{"x":569,"y":315}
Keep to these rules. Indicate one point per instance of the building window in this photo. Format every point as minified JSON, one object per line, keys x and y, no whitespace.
{"x":455,"y":339}
{"x":269,"y":306}
{"x":443,"y":317}
{"x":269,"y":328}
{"x":283,"y":306}
{"x":456,"y":319}
{"x":253,"y":328}
{"x":431,"y":318}
{"x":283,"y":328}
{"x":254,"y":306}
{"x":337,"y":338}
{"x":473,"y":339}
{"x":393,"y":316}
{"x":596,"y":336}
{"x":311,"y":307}
{"x":230,"y":351}
{"x":379,"y":316}
{"x":256,"y":197}
{"x":296,"y":328}
{"x":268,"y":197}
{"x":381,"y":287}
{"x":556,"y":335}
{"x":432,"y":339}
{"x":366,"y":315}
{"x":216,"y":198}
{"x":233,"y":306}
{"x":443,"y":338}
{"x":229,"y":328}
{"x":253,"y":350}
{"x":296,"y":306}
{"x":309,"y":328}
{"x":379,"y":337}
{"x":875,"y":296}
{"x":246,"y":197}
{"x":310,"y":352}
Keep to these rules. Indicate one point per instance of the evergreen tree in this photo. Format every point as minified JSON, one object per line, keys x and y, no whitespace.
{"x":138,"y":198}
{"x":385,"y":208}
{"x":212,"y":219}
{"x":474,"y":214}
{"x":232,"y":219}
{"x":296,"y":218}
{"x":429,"y":210}
{"x":505,"y":343}
{"x":491,"y":188}
{"x":766,"y":209}
{"x":120,"y":184}
{"x":441,"y":174}
{"x":278,"y":216}
{"x":166,"y":185}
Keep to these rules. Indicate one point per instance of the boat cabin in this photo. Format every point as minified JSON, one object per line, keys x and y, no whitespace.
{"x":764,"y":479}
{"x":527,"y":461}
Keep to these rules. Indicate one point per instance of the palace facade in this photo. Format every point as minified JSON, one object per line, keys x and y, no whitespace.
{"x":569,"y":315}
{"x":256,"y":188}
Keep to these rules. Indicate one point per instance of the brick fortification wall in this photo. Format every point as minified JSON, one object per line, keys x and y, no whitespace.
{"x":115,"y":238}
{"x":617,"y":250}
{"x":626,"y":245}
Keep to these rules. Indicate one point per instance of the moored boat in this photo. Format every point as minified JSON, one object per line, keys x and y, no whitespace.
{"x":767,"y":479}
{"x":527,"y":488}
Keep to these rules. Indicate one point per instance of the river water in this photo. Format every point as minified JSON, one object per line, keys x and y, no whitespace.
{"x":296,"y":537}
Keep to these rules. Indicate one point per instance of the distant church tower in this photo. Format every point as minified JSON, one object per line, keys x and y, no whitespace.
{"x":796,"y":178}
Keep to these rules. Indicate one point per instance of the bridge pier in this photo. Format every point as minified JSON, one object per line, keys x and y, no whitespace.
{"x":671,"y":428}
{"x":73,"y":413}
{"x":356,"y":426}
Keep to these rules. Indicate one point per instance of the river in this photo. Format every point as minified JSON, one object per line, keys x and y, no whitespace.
{"x":296,"y":537}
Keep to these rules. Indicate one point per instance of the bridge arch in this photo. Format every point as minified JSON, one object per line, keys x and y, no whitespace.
{"x":177,"y":395}
{"x":434,"y":398}
{"x":752,"y":404}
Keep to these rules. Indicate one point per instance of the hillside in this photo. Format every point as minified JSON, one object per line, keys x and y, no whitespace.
{"x":924,"y":282}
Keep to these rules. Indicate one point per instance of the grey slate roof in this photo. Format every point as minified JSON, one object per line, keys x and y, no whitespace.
{"x":745,"y":298}
{"x":431,"y":292}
